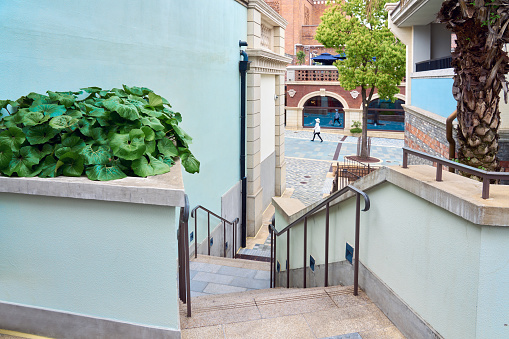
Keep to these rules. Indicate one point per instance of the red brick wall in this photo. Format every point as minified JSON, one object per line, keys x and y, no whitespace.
{"x":315,"y":49}
{"x":424,"y":139}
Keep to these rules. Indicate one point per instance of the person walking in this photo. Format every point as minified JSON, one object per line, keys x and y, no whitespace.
{"x":336,"y":118}
{"x":316,"y":130}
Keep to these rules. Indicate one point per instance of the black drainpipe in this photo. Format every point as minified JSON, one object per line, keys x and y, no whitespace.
{"x":243,"y":68}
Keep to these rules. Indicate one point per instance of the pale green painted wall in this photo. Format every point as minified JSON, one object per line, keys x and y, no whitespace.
{"x":103,"y":259}
{"x":426,"y":255}
{"x":186,"y":51}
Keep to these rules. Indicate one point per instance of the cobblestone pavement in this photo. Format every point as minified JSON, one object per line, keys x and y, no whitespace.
{"x":309,"y":162}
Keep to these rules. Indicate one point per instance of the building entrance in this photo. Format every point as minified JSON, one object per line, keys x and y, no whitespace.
{"x":329,"y":110}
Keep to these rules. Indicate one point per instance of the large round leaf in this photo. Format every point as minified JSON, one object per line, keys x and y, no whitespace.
{"x":92,"y":89}
{"x":128,"y":146}
{"x":72,"y":164}
{"x":144,"y":168}
{"x":49,"y":109}
{"x":63,"y":121}
{"x":190,"y":163}
{"x":85,"y":126}
{"x":111,"y":103}
{"x":47,"y":168}
{"x":39,"y":134}
{"x":153,"y":123}
{"x":149,"y":133}
{"x":61,"y":150}
{"x":105,"y":172}
{"x":13,"y":137}
{"x":5,"y":155}
{"x":150,"y":111}
{"x":167,"y":148}
{"x":35,"y":118}
{"x":23,"y":162}
{"x":127,"y":111}
{"x":73,"y":141}
{"x":96,"y":155}
{"x":133,"y":90}
{"x":63,"y":98}
{"x":166,"y":160}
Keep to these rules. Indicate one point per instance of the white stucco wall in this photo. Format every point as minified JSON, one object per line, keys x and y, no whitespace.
{"x":450,"y":271}
{"x":267,"y":116}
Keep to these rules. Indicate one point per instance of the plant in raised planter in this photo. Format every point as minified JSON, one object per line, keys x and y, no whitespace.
{"x":356,"y":127}
{"x":107,"y":135}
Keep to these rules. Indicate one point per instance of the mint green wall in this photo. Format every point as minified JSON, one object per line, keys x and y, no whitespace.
{"x":493,"y":306}
{"x":186,"y":51}
{"x":103,"y":259}
{"x":429,"y":257}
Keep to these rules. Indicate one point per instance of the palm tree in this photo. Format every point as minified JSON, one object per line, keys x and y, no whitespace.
{"x":480,"y":64}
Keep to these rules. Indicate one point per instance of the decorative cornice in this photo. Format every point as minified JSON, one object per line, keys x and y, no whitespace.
{"x":436,"y":73}
{"x":242,"y":2}
{"x":268,"y":13}
{"x":265,"y":61}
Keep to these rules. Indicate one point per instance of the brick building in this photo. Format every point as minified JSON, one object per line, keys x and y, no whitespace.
{"x":303,"y":18}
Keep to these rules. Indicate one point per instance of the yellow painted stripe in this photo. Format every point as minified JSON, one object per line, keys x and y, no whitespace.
{"x":22,"y":335}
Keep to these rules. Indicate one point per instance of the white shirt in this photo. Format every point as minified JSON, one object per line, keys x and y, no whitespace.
{"x":317,"y":127}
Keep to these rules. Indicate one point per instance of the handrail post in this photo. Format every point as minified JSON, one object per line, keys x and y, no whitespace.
{"x":305,"y":249}
{"x":208,"y":232}
{"x":288,"y":259}
{"x":234,"y":241}
{"x":271,"y":254}
{"x":186,"y":263}
{"x":275,"y":257}
{"x":195,"y":235}
{"x":357,"y":251}
{"x":439,"y":172}
{"x":405,"y":159}
{"x":326,"y":283}
{"x":485,"y":188}
{"x":224,"y":239}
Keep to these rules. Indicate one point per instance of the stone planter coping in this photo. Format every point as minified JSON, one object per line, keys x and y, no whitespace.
{"x":162,"y":190}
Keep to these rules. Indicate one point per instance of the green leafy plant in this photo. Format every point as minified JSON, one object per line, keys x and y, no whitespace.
{"x":356,"y":127}
{"x":301,"y":57}
{"x":105,"y":134}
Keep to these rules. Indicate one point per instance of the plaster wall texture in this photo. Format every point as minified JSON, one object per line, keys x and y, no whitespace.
{"x":450,"y":271}
{"x":268,"y":116}
{"x":63,"y":46}
{"x":268,"y":179}
{"x":96,"y":258}
{"x":433,"y":95}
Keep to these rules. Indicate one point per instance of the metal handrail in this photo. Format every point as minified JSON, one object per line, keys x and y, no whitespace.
{"x":223,"y":220}
{"x":183,"y":256}
{"x":304,"y":218}
{"x":485,"y":175}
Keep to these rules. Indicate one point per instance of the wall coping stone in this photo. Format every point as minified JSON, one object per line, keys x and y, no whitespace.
{"x":456,"y":194}
{"x":163,"y":190}
{"x":432,"y":118}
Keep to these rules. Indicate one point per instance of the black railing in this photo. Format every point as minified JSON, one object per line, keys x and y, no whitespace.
{"x":429,"y":65}
{"x":440,"y":162}
{"x":183,"y":256}
{"x":274,"y":234}
{"x":233,"y":223}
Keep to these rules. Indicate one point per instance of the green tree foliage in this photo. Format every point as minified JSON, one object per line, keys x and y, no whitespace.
{"x":375,"y":59}
{"x":106,"y":134}
{"x":301,"y":57}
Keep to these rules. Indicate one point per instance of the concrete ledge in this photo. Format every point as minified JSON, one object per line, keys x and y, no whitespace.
{"x":163,"y":190}
{"x":56,"y":324}
{"x":456,"y":194}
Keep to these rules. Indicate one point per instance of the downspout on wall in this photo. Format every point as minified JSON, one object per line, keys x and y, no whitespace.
{"x":243,"y":68}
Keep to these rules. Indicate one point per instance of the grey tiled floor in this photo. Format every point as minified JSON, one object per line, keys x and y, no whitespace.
{"x":207,"y":279}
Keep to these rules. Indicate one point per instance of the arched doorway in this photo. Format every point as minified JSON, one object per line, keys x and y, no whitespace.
{"x":324,"y":108}
{"x":386,"y":115}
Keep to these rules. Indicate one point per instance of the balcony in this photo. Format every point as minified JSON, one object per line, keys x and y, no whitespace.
{"x":312,"y":73}
{"x":433,"y":64}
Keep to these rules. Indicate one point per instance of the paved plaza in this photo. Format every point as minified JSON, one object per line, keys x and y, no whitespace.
{"x":308,"y":162}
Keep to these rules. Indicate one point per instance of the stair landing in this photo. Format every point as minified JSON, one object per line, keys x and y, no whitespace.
{"x":287,"y":313}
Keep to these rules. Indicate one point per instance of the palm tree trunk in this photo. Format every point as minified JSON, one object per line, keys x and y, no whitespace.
{"x":480,"y":65}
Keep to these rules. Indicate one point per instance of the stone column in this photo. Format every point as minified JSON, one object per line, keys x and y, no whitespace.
{"x":280,"y":136}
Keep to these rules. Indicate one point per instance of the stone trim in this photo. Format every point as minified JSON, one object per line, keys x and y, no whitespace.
{"x":432,"y":118}
{"x":267,"y":62}
{"x":458,"y":195}
{"x":437,"y":73}
{"x":268,"y":13}
{"x":58,"y":324}
{"x":243,"y":2}
{"x":162,"y":190}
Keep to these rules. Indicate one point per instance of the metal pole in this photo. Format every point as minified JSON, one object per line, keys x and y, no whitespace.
{"x":439,"y":171}
{"x":326,"y":283}
{"x":357,"y":231}
{"x":271,"y":254}
{"x":288,"y":259}
{"x":485,"y":188}
{"x":405,"y":159}
{"x":304,"y":267}
{"x":224,"y":239}
{"x":195,"y":234}
{"x":208,"y":232}
{"x":275,"y":258}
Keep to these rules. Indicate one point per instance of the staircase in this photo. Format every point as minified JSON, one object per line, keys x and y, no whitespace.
{"x":321,"y":312}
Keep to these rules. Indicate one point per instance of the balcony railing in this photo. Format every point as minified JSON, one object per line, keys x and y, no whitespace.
{"x":429,"y":65}
{"x":312,"y":73}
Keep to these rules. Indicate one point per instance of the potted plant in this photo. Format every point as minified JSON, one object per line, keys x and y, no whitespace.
{"x":356,"y":129}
